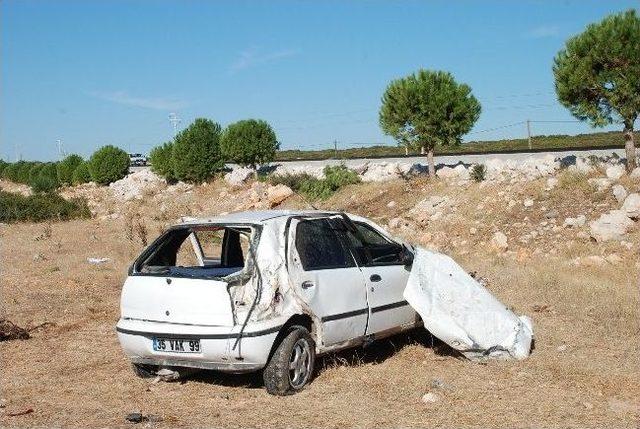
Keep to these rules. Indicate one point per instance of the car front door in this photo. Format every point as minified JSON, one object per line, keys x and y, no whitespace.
{"x":326,"y":276}
{"x":382,"y":264}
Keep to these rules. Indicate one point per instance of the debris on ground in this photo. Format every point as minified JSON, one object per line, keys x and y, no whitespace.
{"x":97,"y":261}
{"x":461,"y":312}
{"x":11,"y":331}
{"x":22,"y":412}
{"x":135,"y":418}
{"x":430,"y":398}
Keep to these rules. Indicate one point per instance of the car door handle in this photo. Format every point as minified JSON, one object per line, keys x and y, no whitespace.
{"x":307,"y":284}
{"x":375,"y":278}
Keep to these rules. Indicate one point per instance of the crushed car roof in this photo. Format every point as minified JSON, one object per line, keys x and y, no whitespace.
{"x":255,"y":216}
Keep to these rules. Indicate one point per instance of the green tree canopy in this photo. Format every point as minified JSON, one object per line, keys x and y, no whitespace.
{"x":249,"y":142}
{"x":161,"y":158}
{"x":108,"y":164}
{"x":427,"y":109}
{"x":196,"y":151}
{"x":597,"y":75}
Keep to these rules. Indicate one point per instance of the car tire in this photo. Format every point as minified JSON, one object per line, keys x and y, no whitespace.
{"x":291,"y":366}
{"x":144,"y":371}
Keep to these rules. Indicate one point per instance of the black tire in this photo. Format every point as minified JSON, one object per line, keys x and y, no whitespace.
{"x":279,"y":378}
{"x":144,"y":371}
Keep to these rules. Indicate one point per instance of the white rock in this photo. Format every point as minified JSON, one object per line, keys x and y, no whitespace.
{"x":428,"y":207}
{"x":499,"y":241}
{"x":382,"y":171}
{"x":619,"y":193}
{"x":631,"y":206}
{"x":395,"y":222}
{"x":610,"y":226}
{"x":552,"y":182}
{"x":238,"y":176}
{"x":462,"y":172}
{"x":277,"y":194}
{"x":391,"y":204}
{"x":635,"y":174}
{"x":528,"y":202}
{"x":600,"y":183}
{"x":615,"y":172}
{"x":473,"y":230}
{"x":430,"y":398}
{"x":575,"y":221}
{"x":134,"y":185}
{"x":446,"y":172}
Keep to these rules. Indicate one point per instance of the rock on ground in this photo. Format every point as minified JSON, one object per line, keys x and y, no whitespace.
{"x":134,"y":185}
{"x":615,"y":172}
{"x":238,"y":176}
{"x":631,"y":206}
{"x":619,"y":193}
{"x":575,"y":221}
{"x":611,"y":226}
{"x":499,"y":241}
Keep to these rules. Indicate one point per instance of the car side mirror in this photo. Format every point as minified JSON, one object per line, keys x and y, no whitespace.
{"x":407,"y":256}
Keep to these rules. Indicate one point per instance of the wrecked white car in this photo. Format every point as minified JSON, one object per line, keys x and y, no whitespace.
{"x":264,"y":290}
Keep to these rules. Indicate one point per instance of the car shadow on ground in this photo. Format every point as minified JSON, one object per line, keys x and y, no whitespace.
{"x":374,"y":352}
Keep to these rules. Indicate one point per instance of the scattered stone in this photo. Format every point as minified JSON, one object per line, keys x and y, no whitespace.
{"x":430,"y":398}
{"x":473,"y":230}
{"x":614,"y":259}
{"x":135,"y":185}
{"x":600,"y":183}
{"x":635,"y":174}
{"x":239,"y":176}
{"x":619,"y":193}
{"x":552,"y":182}
{"x":428,"y":207}
{"x":499,"y":241}
{"x":562,"y":348}
{"x":615,"y":172}
{"x":39,"y":257}
{"x":528,"y":202}
{"x":135,"y":418}
{"x":395,"y":222}
{"x":277,"y":194}
{"x":551,"y":214}
{"x":611,"y":226}
{"x":631,"y":206}
{"x":97,"y":261}
{"x":391,"y":204}
{"x":575,"y":221}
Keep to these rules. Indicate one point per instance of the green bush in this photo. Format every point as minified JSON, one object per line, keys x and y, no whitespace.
{"x":81,"y":174}
{"x":66,"y":167}
{"x":22,"y":173}
{"x":196,"y":151}
{"x":3,"y":165}
{"x":9,"y":171}
{"x":44,"y":178}
{"x":108,"y":164}
{"x":478,"y":172}
{"x":39,"y":207}
{"x":34,"y":171}
{"x":313,"y":188}
{"x":249,"y":142}
{"x":162,"y":161}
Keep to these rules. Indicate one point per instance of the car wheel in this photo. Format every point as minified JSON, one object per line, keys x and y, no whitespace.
{"x":144,"y":371}
{"x":291,"y":365}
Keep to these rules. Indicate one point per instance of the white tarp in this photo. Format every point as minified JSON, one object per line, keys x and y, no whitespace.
{"x":461,"y":312}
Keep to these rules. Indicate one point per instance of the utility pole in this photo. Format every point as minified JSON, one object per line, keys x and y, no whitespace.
{"x":529,"y":132}
{"x":175,"y":120}
{"x":335,"y":149}
{"x":60,"y":149}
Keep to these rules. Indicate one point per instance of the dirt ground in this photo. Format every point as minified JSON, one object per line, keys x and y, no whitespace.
{"x":584,"y":371}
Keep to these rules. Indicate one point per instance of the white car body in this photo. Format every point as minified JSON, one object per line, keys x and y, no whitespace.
{"x":237,"y":315}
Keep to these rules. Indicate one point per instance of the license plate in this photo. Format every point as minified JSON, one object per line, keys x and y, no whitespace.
{"x":176,"y":345}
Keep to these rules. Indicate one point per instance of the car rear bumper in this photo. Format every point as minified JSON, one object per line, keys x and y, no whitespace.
{"x":221,"y":348}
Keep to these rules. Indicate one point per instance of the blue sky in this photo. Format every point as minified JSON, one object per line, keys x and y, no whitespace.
{"x":109,"y":72}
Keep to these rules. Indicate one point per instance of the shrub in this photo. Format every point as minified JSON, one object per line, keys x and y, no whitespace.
{"x":22,"y":173}
{"x":66,"y":168}
{"x":39,"y":207}
{"x":34,"y":171}
{"x":478,"y":172}
{"x":196,"y":151}
{"x":108,"y":164}
{"x":9,"y":171}
{"x":44,"y":178}
{"x":314,"y":188}
{"x":81,"y":174}
{"x":3,"y":165}
{"x":162,"y":162}
{"x":249,"y":142}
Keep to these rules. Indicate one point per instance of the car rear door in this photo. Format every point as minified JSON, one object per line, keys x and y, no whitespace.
{"x":326,"y":276}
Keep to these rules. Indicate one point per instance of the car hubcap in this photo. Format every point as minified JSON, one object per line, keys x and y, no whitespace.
{"x":299,"y":363}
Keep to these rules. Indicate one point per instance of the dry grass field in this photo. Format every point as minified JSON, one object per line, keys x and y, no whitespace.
{"x":584,"y":371}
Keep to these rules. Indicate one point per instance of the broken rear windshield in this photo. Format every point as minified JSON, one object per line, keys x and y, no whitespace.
{"x":198,"y":251}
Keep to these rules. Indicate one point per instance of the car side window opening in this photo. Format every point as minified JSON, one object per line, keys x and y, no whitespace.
{"x":374,"y":248}
{"x":200,"y":251}
{"x":319,"y":247}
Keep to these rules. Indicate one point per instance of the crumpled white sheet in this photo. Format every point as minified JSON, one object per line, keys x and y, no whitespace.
{"x":461,"y":312}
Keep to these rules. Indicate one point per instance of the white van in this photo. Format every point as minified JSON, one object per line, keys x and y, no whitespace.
{"x":263,"y":290}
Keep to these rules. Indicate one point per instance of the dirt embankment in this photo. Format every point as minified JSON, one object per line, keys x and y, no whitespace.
{"x":531,"y":238}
